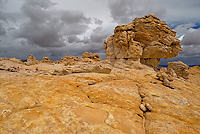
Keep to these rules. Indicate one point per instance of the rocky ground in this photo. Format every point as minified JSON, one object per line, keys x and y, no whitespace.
{"x":132,"y":101}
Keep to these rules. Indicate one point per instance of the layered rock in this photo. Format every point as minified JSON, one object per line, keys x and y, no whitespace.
{"x":145,"y":39}
{"x":174,"y":70}
{"x":92,"y":56}
{"x":181,"y":69}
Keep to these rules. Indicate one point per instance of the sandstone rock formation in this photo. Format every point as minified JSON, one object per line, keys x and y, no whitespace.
{"x":181,"y":69}
{"x":45,"y":60}
{"x":82,"y":67}
{"x":31,"y":60}
{"x":70,"y":60}
{"x":145,"y":39}
{"x":174,"y":70}
{"x":93,"y":56}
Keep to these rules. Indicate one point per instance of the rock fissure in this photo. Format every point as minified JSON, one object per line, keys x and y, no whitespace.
{"x":142,"y":107}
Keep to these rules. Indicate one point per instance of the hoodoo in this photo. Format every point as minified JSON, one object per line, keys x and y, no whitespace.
{"x":145,"y":39}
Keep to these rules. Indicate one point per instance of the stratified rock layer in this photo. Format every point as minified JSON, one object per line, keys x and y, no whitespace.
{"x":145,"y":39}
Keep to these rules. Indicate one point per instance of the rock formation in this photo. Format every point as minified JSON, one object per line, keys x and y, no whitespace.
{"x":181,"y":69}
{"x":145,"y":39}
{"x":31,"y":60}
{"x":70,"y":60}
{"x":174,"y":70}
{"x":93,"y":56}
{"x":45,"y":60}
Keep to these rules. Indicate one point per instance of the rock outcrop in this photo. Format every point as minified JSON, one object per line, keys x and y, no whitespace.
{"x":70,"y":60}
{"x":174,"y":70}
{"x":45,"y":60}
{"x":181,"y":69}
{"x":92,"y":56}
{"x":145,"y":39}
{"x":125,"y":101}
{"x":31,"y":60}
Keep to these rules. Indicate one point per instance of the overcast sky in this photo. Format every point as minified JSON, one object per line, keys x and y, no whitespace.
{"x":56,"y":28}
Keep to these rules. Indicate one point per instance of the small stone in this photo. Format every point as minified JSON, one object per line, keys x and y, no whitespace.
{"x":143,"y":108}
{"x":91,"y":82}
{"x":148,"y":106}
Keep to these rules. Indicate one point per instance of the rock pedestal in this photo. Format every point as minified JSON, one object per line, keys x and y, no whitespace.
{"x":145,"y":39}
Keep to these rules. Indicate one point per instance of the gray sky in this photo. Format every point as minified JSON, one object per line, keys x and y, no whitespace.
{"x":56,"y":28}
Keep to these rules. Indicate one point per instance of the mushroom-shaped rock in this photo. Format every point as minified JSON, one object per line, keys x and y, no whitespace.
{"x":145,"y":39}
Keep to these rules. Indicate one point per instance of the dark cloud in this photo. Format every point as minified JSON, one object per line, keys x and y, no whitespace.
{"x":2,"y":30}
{"x":190,"y":51}
{"x":2,"y":15}
{"x":40,"y":3}
{"x":49,"y":27}
{"x":124,"y":11}
{"x":192,"y":37}
{"x":99,"y":35}
{"x":73,"y":38}
{"x":2,"y":2}
{"x":180,"y":11}
{"x":183,"y":28}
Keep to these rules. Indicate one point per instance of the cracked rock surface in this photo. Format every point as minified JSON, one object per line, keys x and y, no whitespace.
{"x":129,"y":101}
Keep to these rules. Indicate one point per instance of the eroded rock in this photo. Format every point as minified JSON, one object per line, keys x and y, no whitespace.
{"x":181,"y":69}
{"x":145,"y":39}
{"x":93,"y":56}
{"x":45,"y":60}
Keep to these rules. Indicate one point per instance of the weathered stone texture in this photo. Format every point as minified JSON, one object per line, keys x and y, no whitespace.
{"x":146,"y":39}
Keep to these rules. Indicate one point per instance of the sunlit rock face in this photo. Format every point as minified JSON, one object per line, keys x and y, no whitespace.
{"x":145,"y":39}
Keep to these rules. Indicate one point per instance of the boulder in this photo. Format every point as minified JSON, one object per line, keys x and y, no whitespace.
{"x":174,"y":70}
{"x":145,"y":39}
{"x":181,"y":69}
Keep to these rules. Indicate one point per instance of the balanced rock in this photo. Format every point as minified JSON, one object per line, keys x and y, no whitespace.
{"x":145,"y":39}
{"x":93,"y":56}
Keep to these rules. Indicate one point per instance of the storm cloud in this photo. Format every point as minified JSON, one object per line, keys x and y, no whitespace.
{"x":2,"y":30}
{"x":124,"y":11}
{"x":192,"y":37}
{"x":56,"y":28}
{"x":48,"y":27}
